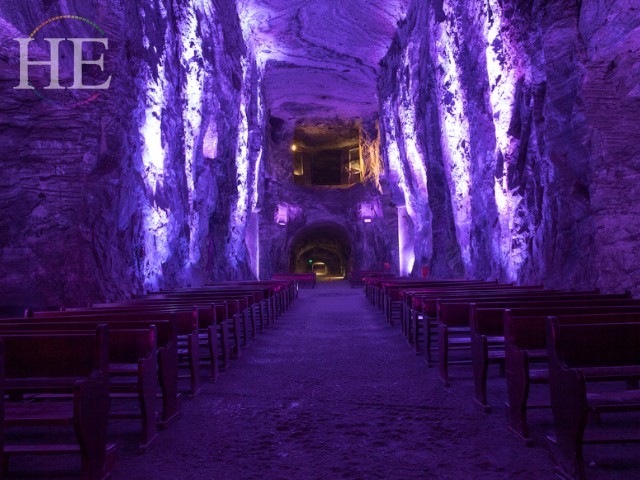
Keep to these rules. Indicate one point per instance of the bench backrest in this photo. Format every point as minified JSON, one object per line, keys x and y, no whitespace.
{"x":166,"y":323}
{"x":53,"y":355}
{"x":529,"y":333}
{"x":490,"y":321}
{"x":594,"y":345}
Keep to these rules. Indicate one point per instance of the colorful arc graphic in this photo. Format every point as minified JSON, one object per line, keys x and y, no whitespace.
{"x":62,"y":17}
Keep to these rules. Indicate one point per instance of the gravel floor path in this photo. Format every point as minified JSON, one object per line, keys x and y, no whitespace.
{"x":332,"y":392}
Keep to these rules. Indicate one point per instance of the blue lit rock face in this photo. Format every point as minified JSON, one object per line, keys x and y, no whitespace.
{"x":525,"y":116}
{"x":137,"y":188}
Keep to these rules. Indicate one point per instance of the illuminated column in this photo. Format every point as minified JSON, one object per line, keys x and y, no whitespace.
{"x":155,"y":219}
{"x":503,"y":74}
{"x":405,"y":242}
{"x":455,"y":133}
{"x":192,"y":100}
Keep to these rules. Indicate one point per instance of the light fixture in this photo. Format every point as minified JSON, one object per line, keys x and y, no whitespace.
{"x":281,"y":215}
{"x":368,"y":220}
{"x":294,"y":147}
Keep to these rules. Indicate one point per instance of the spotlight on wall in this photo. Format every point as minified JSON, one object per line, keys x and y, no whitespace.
{"x":367,"y":212}
{"x":281,"y":215}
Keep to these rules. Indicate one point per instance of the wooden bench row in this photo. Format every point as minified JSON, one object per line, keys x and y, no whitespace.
{"x":568,"y":340}
{"x":301,"y":280}
{"x":146,"y":340}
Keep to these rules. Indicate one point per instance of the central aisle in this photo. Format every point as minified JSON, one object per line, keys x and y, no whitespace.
{"x":331,"y":391}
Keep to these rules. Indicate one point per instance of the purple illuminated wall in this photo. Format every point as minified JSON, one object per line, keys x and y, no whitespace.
{"x":151,"y":184}
{"x":524,"y":117}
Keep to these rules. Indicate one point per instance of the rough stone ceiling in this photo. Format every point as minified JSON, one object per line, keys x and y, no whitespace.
{"x":321,"y":56}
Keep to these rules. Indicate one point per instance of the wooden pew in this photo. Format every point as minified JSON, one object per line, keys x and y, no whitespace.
{"x":237,"y":312}
{"x":487,"y":328}
{"x":133,"y":370}
{"x":356,"y":278}
{"x":278,"y":294}
{"x":33,"y":363}
{"x":526,"y":358}
{"x":580,"y":354}
{"x":248,"y":311}
{"x":454,"y":316}
{"x":393,"y":293}
{"x":423,"y":313}
{"x":167,"y":324}
{"x":218,"y":330}
{"x":308,"y":279}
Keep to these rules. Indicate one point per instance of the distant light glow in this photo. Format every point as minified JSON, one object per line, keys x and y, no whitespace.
{"x":282,"y":214}
{"x":367,"y":220}
{"x":294,"y":147}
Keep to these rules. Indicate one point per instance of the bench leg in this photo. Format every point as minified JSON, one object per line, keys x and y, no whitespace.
{"x":480,"y":360}
{"x":91,"y":410}
{"x":212,"y":343}
{"x":147,"y":399}
{"x":193,"y":349}
{"x":415,"y":331}
{"x":443,"y":353}
{"x":569,"y":406}
{"x":168,"y":378}
{"x":517,"y":373}
{"x":225,"y":342}
{"x":427,"y":335}
{"x":236,"y":343}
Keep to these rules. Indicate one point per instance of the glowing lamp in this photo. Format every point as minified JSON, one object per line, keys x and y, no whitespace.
{"x":368,"y":220}
{"x":294,"y":147}
{"x":281,"y":216}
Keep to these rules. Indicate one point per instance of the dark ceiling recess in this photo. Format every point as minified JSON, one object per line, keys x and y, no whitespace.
{"x":321,"y":243}
{"x":327,"y":154}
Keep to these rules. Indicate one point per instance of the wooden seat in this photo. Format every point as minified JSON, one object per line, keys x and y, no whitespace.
{"x":33,"y":363}
{"x":580,"y":354}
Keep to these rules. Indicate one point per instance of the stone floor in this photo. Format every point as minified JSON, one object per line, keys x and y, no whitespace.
{"x":332,"y":392}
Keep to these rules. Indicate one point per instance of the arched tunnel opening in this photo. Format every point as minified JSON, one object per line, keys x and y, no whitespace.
{"x":323,"y":248}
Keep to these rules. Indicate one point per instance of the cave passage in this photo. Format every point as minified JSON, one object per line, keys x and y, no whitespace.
{"x":321,"y":248}
{"x":327,"y":155}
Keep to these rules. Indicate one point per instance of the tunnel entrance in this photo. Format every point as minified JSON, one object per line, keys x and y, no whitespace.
{"x":323,"y":248}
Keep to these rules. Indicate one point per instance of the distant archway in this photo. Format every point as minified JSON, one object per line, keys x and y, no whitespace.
{"x":321,"y":243}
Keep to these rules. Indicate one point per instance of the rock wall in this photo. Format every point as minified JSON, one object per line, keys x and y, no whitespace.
{"x":511,"y":128}
{"x":134,"y":188}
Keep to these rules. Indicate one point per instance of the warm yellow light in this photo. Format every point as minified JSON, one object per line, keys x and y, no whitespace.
{"x":294,"y":147}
